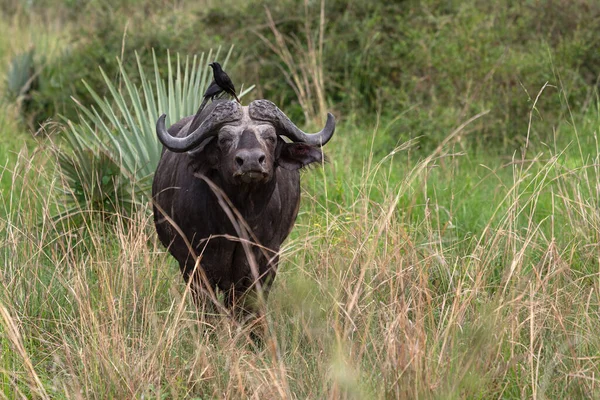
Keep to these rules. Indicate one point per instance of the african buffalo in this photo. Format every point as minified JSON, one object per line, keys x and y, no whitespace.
{"x":228,"y":194}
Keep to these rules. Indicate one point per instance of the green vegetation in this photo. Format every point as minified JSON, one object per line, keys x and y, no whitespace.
{"x":448,"y":249}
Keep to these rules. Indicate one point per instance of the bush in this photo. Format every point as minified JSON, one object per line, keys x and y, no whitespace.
{"x":112,"y":32}
{"x":432,"y":58}
{"x":21,"y":79}
{"x":416,"y":59}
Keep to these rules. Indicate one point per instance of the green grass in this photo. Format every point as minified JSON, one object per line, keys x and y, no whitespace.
{"x":456,"y":264}
{"x":448,"y":276}
{"x":16,"y":145}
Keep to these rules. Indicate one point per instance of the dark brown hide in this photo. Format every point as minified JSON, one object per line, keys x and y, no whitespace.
{"x":233,"y":194}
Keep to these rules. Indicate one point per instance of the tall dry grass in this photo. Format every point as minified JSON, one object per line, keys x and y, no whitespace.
{"x":302,"y":57}
{"x":372,"y":300}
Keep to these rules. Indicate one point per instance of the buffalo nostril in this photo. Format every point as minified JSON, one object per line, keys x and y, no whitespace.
{"x":261,"y":159}
{"x":239,"y":160}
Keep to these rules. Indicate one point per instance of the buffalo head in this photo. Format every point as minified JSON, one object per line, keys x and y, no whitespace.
{"x":246,"y":141}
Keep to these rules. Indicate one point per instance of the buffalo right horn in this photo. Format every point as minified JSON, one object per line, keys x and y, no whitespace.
{"x":222,"y":112}
{"x":265,"y":110}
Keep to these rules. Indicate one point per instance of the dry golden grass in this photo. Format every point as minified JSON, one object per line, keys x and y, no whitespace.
{"x":383,"y":298}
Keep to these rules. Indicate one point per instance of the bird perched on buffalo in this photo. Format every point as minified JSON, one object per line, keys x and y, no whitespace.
{"x":220,"y":83}
{"x":223,"y":80}
{"x":213,"y":91}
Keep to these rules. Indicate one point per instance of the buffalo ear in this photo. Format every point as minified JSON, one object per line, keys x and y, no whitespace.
{"x":203,"y":157}
{"x":200,"y":148}
{"x":294,"y":156}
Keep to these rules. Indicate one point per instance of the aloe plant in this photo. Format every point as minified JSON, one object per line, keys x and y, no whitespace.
{"x":21,"y":75}
{"x":119,"y":130}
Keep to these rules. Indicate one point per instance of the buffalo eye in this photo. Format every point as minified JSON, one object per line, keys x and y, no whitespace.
{"x":224,"y":141}
{"x":270,"y":139}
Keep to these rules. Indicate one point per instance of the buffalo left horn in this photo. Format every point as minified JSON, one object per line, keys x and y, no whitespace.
{"x":221,"y":113}
{"x":265,"y":110}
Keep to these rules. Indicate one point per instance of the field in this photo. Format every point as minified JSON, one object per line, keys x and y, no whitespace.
{"x":449,"y":248}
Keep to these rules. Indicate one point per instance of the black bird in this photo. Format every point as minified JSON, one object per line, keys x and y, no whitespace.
{"x":223,"y":80}
{"x":213,"y":91}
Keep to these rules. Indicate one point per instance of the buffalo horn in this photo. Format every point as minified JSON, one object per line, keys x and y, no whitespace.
{"x":265,"y":110}
{"x":223,"y":112}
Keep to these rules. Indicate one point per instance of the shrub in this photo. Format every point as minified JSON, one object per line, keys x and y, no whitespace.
{"x":113,"y":30}
{"x":21,"y":79}
{"x":431,"y":58}
{"x":409,"y":58}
